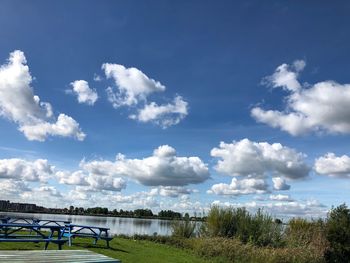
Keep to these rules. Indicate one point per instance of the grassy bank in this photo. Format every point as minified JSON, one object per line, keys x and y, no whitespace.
{"x":127,"y":250}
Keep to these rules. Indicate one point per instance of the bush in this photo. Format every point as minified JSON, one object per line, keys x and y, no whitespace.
{"x":259,"y":229}
{"x":338,"y":235}
{"x":307,"y":234}
{"x":183,"y":228}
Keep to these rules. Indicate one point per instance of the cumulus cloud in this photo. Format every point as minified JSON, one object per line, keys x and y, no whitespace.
{"x":19,"y":104}
{"x":132,"y":85}
{"x":321,"y":107}
{"x":65,"y":126}
{"x":72,"y":178}
{"x":163,"y":168}
{"x":132,"y":88}
{"x":19,"y":169}
{"x":332,"y":165}
{"x":280,"y":197}
{"x":174,"y":191}
{"x":163,"y":115}
{"x":280,"y":184}
{"x":240,"y":187}
{"x":12,"y":189}
{"x":44,"y":195}
{"x":84,"y":93}
{"x":91,"y":181}
{"x":248,"y":158}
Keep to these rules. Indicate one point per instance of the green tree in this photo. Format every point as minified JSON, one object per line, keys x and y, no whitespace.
{"x":338,"y":235}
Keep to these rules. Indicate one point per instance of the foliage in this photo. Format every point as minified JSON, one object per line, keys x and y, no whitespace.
{"x":307,"y":234}
{"x":169,"y":214}
{"x":259,"y":229}
{"x":338,"y":234}
{"x":183,"y":228}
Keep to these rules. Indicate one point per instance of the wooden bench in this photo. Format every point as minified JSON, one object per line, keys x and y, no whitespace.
{"x":95,"y":232}
{"x":62,"y":256}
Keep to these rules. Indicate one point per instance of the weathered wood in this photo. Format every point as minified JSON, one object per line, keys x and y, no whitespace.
{"x":60,"y":256}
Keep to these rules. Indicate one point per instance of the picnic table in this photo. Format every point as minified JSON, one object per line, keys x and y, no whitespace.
{"x":62,"y":256}
{"x":12,"y":232}
{"x":94,"y":232}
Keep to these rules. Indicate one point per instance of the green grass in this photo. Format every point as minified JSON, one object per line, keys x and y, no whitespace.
{"x":127,"y":250}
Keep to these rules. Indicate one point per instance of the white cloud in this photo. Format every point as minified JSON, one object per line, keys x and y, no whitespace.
{"x":131,"y":83}
{"x":280,"y":184}
{"x":91,"y":181}
{"x":108,"y":183}
{"x":240,"y":187}
{"x":332,"y":165}
{"x":321,"y":107}
{"x":174,"y":191}
{"x":65,"y":127}
{"x":280,"y":197}
{"x":19,"y":104}
{"x":44,"y":195}
{"x":286,"y":76}
{"x":163,"y":115}
{"x":247,"y":158}
{"x":19,"y":169}
{"x":74,"y":178}
{"x":11,"y":189}
{"x":163,"y":168}
{"x":84,"y":93}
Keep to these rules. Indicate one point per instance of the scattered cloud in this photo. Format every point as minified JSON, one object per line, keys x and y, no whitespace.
{"x":280,"y":197}
{"x":132,"y":88}
{"x":84,"y":93}
{"x":131,"y":85}
{"x":12,"y":189}
{"x":321,"y":107}
{"x":332,"y":165}
{"x":280,"y":184}
{"x":174,"y":191}
{"x":163,"y":168}
{"x":248,"y":158}
{"x":19,"y":169}
{"x":240,"y":187}
{"x":91,"y":181}
{"x":163,"y":115}
{"x":19,"y":104}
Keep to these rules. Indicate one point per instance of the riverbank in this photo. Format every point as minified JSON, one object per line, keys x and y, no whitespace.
{"x":127,"y":250}
{"x":194,"y":250}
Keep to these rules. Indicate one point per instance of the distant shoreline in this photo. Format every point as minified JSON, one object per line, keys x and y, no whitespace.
{"x":103,"y":215}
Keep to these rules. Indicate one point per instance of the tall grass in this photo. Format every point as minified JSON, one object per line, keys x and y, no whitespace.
{"x":183,"y":228}
{"x":259,"y":229}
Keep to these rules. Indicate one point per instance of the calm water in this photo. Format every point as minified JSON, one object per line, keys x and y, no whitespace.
{"x":117,"y":225}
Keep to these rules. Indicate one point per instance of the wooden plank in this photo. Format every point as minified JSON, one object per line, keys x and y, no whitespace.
{"x":60,"y":256}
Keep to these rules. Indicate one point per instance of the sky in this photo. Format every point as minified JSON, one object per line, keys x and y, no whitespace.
{"x":176,"y":104}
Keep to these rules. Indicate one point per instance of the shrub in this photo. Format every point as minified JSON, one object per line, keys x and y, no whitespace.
{"x":307,"y":234}
{"x":183,"y":228}
{"x":259,"y":229}
{"x":338,"y":235}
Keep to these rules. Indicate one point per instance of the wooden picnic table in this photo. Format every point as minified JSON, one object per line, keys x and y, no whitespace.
{"x":62,"y":256}
{"x":11,"y":232}
{"x":95,"y":232}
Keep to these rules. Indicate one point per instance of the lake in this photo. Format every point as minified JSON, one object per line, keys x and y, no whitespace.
{"x":117,"y":225}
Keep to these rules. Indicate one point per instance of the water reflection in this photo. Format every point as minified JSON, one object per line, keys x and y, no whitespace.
{"x":117,"y":225}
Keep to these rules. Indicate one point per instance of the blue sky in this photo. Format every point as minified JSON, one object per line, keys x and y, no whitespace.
{"x":220,"y":60}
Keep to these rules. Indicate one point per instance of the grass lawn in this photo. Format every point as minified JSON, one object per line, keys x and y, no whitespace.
{"x":127,"y":250}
